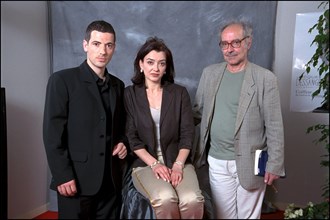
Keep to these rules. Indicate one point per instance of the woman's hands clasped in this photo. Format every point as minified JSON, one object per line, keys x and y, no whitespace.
{"x":173,"y":176}
{"x":162,"y":171}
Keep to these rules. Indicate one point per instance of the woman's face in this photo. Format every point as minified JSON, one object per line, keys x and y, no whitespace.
{"x":153,"y":66}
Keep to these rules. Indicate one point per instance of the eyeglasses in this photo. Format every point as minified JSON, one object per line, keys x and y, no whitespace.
{"x":235,"y":43}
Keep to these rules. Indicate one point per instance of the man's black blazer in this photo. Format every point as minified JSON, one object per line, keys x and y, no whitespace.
{"x":74,"y":129}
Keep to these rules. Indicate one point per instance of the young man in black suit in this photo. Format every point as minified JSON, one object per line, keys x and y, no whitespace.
{"x":84,"y":132}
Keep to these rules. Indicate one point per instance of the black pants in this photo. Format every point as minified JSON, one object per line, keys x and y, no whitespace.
{"x":104,"y":205}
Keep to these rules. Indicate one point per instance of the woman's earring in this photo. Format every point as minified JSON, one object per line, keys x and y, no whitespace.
{"x":141,"y":70}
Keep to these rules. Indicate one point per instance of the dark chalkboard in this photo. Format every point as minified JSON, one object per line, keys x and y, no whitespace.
{"x":189,"y":28}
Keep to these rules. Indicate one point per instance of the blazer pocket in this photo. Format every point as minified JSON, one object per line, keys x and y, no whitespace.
{"x":79,"y":157}
{"x":253,"y":113}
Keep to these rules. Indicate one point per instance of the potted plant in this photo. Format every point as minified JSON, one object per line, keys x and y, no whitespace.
{"x":321,"y":53}
{"x":320,"y":210}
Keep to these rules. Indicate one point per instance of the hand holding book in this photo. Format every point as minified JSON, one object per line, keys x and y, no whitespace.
{"x":260,"y":162}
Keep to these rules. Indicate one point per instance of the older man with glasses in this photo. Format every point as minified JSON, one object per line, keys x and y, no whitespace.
{"x":237,"y":104}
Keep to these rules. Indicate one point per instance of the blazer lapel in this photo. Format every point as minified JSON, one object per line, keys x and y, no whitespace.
{"x":166,"y":102}
{"x":112,"y":96}
{"x":247,"y":93}
{"x":211,"y":92}
{"x":143,"y":102}
{"x":88,"y":79}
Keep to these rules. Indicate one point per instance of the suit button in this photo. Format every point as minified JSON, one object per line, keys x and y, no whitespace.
{"x":102,"y":118}
{"x":101,"y":136}
{"x":101,"y":154}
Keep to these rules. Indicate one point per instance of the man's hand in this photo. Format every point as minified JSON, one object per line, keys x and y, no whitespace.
{"x":269,"y":178}
{"x":120,"y":150}
{"x":68,"y":188}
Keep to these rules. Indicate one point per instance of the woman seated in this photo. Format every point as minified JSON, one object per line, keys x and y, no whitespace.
{"x":160,"y":131}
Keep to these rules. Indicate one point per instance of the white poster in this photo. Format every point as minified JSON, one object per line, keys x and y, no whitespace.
{"x":302,"y":90}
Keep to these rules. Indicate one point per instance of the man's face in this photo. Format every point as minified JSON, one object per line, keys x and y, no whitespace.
{"x":99,"y":50}
{"x":235,"y":56}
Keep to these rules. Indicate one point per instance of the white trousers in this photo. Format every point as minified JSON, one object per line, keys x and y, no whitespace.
{"x":230,"y":199}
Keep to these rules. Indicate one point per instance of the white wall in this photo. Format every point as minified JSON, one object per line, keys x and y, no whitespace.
{"x":302,"y":157}
{"x":24,"y":73}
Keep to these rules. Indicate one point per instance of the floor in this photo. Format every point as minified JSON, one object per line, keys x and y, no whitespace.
{"x":274,"y":215}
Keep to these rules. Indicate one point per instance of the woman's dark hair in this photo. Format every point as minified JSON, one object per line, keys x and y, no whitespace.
{"x":101,"y":26}
{"x":157,"y":44}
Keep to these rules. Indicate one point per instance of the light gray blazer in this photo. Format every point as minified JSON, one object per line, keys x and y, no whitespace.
{"x":258,"y":125}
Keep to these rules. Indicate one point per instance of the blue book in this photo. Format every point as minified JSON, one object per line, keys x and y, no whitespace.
{"x":260,"y":162}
